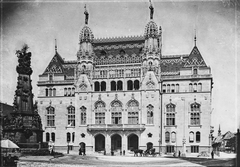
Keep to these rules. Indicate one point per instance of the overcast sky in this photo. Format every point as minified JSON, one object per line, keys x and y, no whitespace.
{"x":38,"y":23}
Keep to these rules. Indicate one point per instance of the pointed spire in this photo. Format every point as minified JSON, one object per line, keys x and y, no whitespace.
{"x":151,"y":10}
{"x":86,"y":15}
{"x":55,"y":45}
{"x":219,"y":131}
{"x":195,"y":38}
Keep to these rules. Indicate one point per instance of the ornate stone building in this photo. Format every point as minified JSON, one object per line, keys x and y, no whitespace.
{"x":122,"y":93}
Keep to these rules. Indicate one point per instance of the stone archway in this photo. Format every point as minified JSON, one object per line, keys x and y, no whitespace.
{"x":99,"y":142}
{"x":116,"y":142}
{"x":149,"y":145}
{"x":132,"y":142}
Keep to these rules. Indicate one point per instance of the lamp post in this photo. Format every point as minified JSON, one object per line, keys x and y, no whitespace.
{"x":184,"y":138}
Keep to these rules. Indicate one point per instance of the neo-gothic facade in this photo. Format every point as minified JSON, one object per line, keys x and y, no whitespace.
{"x":122,"y":93}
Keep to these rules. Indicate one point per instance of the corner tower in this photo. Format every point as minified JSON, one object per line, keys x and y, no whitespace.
{"x":85,"y":56}
{"x":152,"y":47}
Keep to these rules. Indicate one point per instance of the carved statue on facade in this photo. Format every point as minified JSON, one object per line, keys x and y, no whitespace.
{"x":151,"y":10}
{"x":86,"y":15}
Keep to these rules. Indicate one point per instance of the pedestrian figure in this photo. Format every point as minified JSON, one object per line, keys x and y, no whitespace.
{"x":120,"y":152}
{"x":212,"y":153}
{"x":179,"y":154}
{"x":123,"y":152}
{"x":80,"y":151}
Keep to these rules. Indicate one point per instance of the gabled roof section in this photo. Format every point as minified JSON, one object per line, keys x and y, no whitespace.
{"x":195,"y":59}
{"x":55,"y":66}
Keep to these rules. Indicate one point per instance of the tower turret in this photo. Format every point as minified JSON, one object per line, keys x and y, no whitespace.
{"x":85,"y":53}
{"x":152,"y":48}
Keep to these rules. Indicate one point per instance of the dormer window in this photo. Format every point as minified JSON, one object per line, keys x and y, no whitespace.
{"x":50,"y":77}
{"x":122,"y":52}
{"x":195,"y":72}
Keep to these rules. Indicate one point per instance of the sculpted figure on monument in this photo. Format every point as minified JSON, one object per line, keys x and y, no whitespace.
{"x":24,"y":60}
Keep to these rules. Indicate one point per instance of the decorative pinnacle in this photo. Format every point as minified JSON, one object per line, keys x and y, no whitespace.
{"x":56,"y":45}
{"x":86,"y":15}
{"x":195,"y":38}
{"x":151,"y":10}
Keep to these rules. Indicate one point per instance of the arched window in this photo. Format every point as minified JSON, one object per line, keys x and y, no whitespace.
{"x":149,"y":114}
{"x":177,"y":87}
{"x":68,"y":137}
{"x":100,"y":112}
{"x":198,"y":136}
{"x":129,"y":85}
{"x":170,"y":115}
{"x":119,"y":85}
{"x":96,"y":86}
{"x":71,"y":116}
{"x":103,"y":86}
{"x":191,"y":137}
{"x":46,"y":92}
{"x":190,"y":87}
{"x":53,"y":136}
{"x":136,"y":85}
{"x":167,"y":137}
{"x":113,"y":85}
{"x":133,"y":111}
{"x":195,"y":114}
{"x":168,"y":88}
{"x":164,"y":88}
{"x":173,"y":137}
{"x":65,"y":91}
{"x":69,"y":92}
{"x":50,"y":92}
{"x":199,"y":87}
{"x":73,"y":91}
{"x":83,"y":115}
{"x":195,"y":87}
{"x":54,"y":91}
{"x":116,"y":109}
{"x":47,"y":137}
{"x":50,"y":116}
{"x":172,"y":88}
{"x":50,"y":77}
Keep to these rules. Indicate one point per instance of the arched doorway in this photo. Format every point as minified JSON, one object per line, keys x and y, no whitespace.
{"x":149,"y":145}
{"x":116,"y":142}
{"x":99,"y":142}
{"x":132,"y":142}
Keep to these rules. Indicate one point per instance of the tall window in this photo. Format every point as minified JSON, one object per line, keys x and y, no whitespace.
{"x":46,"y":92}
{"x":170,"y":116}
{"x":73,"y":91}
{"x":173,"y":137}
{"x":195,"y":87}
{"x":50,"y":92}
{"x":149,"y":114}
{"x":103,"y":86}
{"x":69,"y":92}
{"x":54,"y":91}
{"x":195,"y":72}
{"x":191,"y":137}
{"x":119,"y":85}
{"x":168,"y":88}
{"x":167,"y":137}
{"x":53,"y":136}
{"x":50,"y":77}
{"x":113,"y":85}
{"x":100,"y":112}
{"x":65,"y":91}
{"x":73,"y":137}
{"x":47,"y":137}
{"x":194,"y":149}
{"x":50,"y":116}
{"x":136,"y":84}
{"x":164,"y":88}
{"x":71,"y":116}
{"x":199,"y":87}
{"x":68,"y":137}
{"x":83,"y":115}
{"x":177,"y":87}
{"x":129,"y":85}
{"x":170,"y":149}
{"x":172,"y":88}
{"x":195,"y":114}
{"x":96,"y":86}
{"x":116,"y":108}
{"x":198,"y":136}
{"x":133,"y":112}
{"x":190,"y":87}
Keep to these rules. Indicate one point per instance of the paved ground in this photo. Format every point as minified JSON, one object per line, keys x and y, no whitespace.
{"x":129,"y":160}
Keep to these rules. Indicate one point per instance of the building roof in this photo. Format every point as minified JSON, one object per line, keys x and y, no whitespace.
{"x":126,"y":50}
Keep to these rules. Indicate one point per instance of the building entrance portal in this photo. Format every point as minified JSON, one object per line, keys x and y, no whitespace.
{"x":99,"y":142}
{"x":116,"y":142}
{"x":132,"y":142}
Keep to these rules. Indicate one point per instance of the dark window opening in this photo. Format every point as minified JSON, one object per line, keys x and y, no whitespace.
{"x":113,"y":86}
{"x":198,"y":137}
{"x":68,"y":137}
{"x":96,"y":86}
{"x":194,"y":71}
{"x":103,"y":86}
{"x":194,"y":149}
{"x":170,"y":149}
{"x":119,"y":85}
{"x":136,"y":85}
{"x":129,"y":85}
{"x":53,"y":136}
{"x":47,"y":137}
{"x":46,"y":92}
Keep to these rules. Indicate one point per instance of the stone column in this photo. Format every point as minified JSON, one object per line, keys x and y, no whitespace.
{"x":124,"y":142}
{"x":108,"y":143}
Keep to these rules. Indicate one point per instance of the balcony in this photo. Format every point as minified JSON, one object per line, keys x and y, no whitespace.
{"x":117,"y":127}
